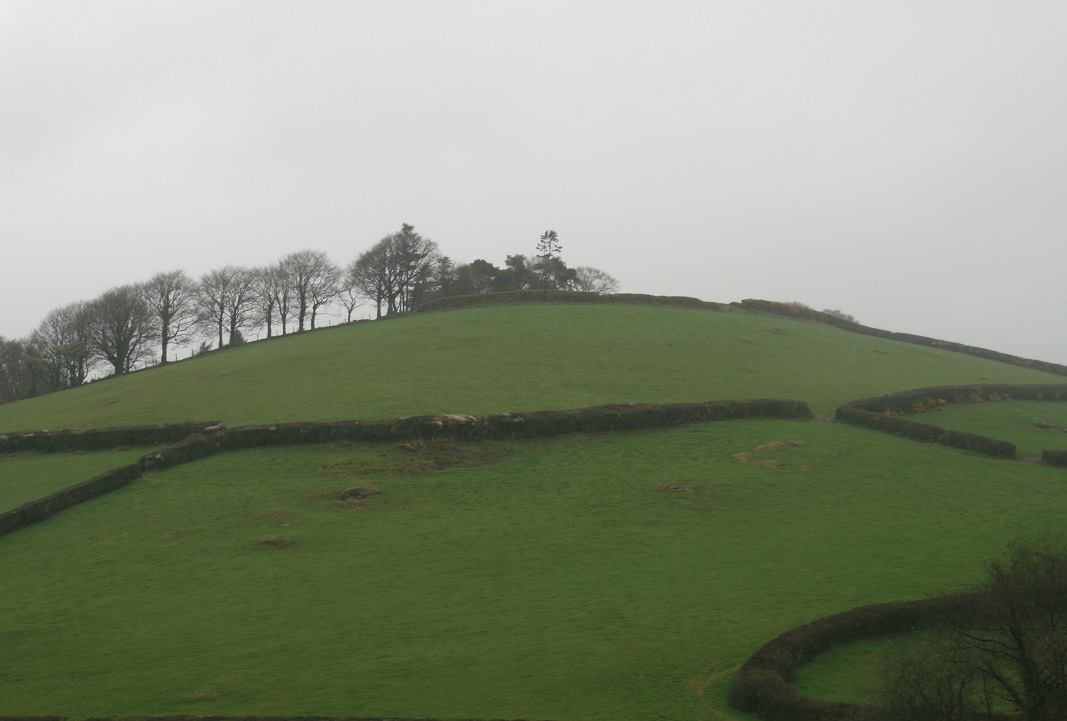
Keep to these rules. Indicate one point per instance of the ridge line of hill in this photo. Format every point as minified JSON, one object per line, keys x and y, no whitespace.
{"x":791,"y":310}
{"x":786,"y":310}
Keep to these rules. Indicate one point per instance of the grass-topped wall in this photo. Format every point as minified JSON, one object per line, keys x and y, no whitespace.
{"x":565,"y":296}
{"x":763,"y":684}
{"x":188,"y":449}
{"x":97,"y":439}
{"x":536,"y":424}
{"x":44,"y":508}
{"x":883,"y":413}
{"x":927,"y":432}
{"x":213,"y":437}
{"x":1054,"y":457}
{"x":922,"y":399}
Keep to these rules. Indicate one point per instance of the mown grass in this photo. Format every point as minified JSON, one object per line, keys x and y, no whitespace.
{"x":566,"y":579}
{"x":514,"y":358}
{"x":28,"y":476}
{"x":1033,"y":426}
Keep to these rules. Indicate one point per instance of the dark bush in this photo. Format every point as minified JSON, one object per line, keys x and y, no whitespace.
{"x":563,"y":296}
{"x":1054,"y":457}
{"x":975,"y":443}
{"x":762,"y":684}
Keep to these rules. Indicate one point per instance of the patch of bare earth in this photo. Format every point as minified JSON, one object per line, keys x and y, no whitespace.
{"x":277,"y":542}
{"x":773,"y":455}
{"x":351,"y":499}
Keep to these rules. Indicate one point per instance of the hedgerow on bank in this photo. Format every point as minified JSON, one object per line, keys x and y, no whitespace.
{"x":210,"y":438}
{"x":763,"y":684}
{"x":883,"y":413}
{"x":793,"y":310}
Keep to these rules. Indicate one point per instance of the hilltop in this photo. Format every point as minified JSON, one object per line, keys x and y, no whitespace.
{"x":587,"y":577}
{"x":496,"y":359}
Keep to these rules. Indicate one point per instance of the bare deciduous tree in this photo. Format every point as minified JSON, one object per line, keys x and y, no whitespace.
{"x":173,"y":298}
{"x":840,"y":315}
{"x":1006,"y":647}
{"x":348,"y":294}
{"x":16,"y":372}
{"x":241,"y":302}
{"x":63,"y":345}
{"x":225,"y":299}
{"x":313,"y":278}
{"x":324,"y":288}
{"x":594,"y":280}
{"x":368,"y":274}
{"x":267,"y":292}
{"x":390,"y":272}
{"x":124,"y":328}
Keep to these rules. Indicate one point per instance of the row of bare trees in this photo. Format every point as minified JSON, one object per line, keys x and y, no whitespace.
{"x":143,"y":323}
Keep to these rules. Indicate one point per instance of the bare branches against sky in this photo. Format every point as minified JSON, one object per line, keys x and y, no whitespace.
{"x":903,"y":162}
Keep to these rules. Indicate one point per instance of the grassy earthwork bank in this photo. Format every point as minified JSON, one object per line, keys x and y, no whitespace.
{"x":26,"y":476}
{"x":1033,"y":426}
{"x":586,"y":577}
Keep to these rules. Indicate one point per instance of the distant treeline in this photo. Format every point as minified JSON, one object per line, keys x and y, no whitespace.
{"x":140,"y":324}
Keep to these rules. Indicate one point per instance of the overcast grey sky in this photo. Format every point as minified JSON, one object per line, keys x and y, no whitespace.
{"x":904,"y":161}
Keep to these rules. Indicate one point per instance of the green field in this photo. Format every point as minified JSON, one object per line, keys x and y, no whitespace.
{"x":588,"y":577}
{"x":27,"y":476}
{"x":515,"y":358}
{"x":1033,"y":426}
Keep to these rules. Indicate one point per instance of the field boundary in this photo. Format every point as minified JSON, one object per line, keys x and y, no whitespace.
{"x":883,"y":413}
{"x":513,"y":297}
{"x":799,"y":312}
{"x":98,"y":439}
{"x":215,"y":438}
{"x":786,"y":310}
{"x":763,"y":684}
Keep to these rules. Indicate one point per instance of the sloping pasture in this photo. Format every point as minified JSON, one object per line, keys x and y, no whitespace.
{"x":620,"y":576}
{"x":515,"y":358}
{"x":27,"y":476}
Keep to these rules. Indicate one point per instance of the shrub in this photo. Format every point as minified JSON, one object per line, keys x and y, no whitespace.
{"x":762,"y":684}
{"x":1054,"y":457}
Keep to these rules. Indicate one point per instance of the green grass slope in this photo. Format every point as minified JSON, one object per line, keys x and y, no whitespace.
{"x":515,"y":358}
{"x":27,"y":476}
{"x":572,"y":579}
{"x":584,"y":578}
{"x":1033,"y":426}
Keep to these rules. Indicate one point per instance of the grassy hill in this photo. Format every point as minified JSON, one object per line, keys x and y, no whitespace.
{"x":515,"y":358}
{"x":610,"y":576}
